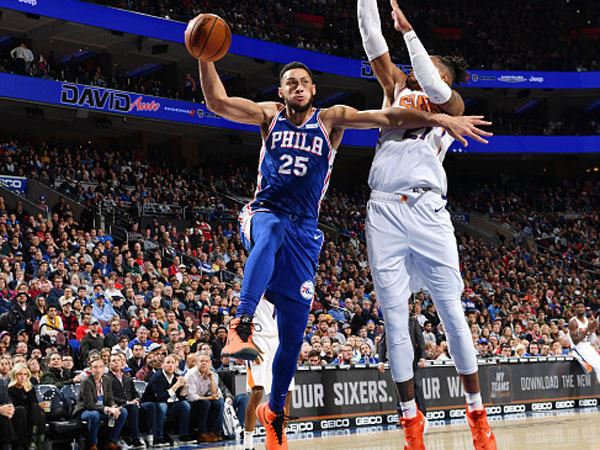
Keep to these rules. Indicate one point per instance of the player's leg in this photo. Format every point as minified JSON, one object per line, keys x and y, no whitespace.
{"x":435,"y":257}
{"x":267,"y":232}
{"x":256,"y":395}
{"x":588,"y":354}
{"x":390,"y":262}
{"x":292,"y":316}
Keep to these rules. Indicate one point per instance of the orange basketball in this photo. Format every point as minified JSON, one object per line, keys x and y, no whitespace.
{"x":207,"y":37}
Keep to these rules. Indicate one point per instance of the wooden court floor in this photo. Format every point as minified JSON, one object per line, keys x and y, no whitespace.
{"x":576,"y":431}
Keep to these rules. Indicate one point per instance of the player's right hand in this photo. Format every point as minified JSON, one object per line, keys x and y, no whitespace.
{"x":592,"y":325}
{"x":460,"y":127}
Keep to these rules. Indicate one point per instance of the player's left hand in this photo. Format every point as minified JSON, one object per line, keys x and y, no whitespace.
{"x":460,"y":127}
{"x":400,"y":22}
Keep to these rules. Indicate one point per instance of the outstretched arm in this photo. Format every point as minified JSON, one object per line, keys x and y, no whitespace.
{"x":233,"y":108}
{"x":338,"y":118}
{"x":426,"y":72}
{"x":390,"y":77}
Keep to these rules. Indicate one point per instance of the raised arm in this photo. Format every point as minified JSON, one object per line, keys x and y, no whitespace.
{"x":340,"y":117}
{"x":233,"y":108}
{"x":390,"y":77}
{"x":437,"y":89}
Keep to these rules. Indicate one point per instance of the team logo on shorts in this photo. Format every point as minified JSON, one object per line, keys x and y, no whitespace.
{"x":307,"y":290}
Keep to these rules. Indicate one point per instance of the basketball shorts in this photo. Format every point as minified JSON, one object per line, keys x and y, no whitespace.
{"x":298,"y":254}
{"x":260,"y":373}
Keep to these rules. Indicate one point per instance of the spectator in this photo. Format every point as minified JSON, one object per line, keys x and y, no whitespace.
{"x":22,"y":58}
{"x":56,"y":375}
{"x":127,"y":397}
{"x":51,"y":324}
{"x":96,"y":402}
{"x":84,"y":328}
{"x":23,"y":395}
{"x":169,"y":392}
{"x":103,"y":310}
{"x":112,"y":337}
{"x":136,"y":361}
{"x":314,"y":358}
{"x":93,"y":340}
{"x":203,"y":395}
{"x":13,"y":421}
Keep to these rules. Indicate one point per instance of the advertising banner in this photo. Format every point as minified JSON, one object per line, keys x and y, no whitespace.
{"x":15,"y":184}
{"x":168,"y":30}
{"x":99,"y":99}
{"x":332,"y":397}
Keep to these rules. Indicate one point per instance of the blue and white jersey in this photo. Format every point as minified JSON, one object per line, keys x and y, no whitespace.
{"x":295,"y":166}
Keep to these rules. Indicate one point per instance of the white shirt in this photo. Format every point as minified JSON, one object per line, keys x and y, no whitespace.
{"x":407,"y":159}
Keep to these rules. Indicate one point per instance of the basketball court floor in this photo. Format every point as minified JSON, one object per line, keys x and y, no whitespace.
{"x":566,"y":430}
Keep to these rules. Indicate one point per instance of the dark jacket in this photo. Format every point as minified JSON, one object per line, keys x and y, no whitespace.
{"x":4,"y":396}
{"x":86,"y":401}
{"x":133,"y":364}
{"x":89,"y":342}
{"x":58,"y":378}
{"x":123,"y":392}
{"x":157,"y":388}
{"x":20,"y":397}
{"x":416,"y":337}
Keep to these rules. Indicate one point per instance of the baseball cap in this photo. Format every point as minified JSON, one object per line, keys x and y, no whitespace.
{"x":483,"y":341}
{"x":182,"y":266}
{"x":206,"y":315}
{"x":153,"y":346}
{"x":4,"y":333}
{"x":100,"y":294}
{"x":42,"y":197}
{"x":346,"y":325}
{"x":19,"y":254}
{"x":93,"y":320}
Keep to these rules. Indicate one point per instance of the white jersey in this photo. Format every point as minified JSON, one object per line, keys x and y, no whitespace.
{"x":581,"y":329}
{"x":407,"y":159}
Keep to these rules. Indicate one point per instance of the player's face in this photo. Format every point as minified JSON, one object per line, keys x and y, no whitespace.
{"x":297,"y":89}
{"x":580,"y":309}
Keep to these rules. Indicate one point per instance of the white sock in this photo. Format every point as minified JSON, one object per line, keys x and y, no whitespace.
{"x":474,"y":401}
{"x":409,"y":409}
{"x":248,"y":444}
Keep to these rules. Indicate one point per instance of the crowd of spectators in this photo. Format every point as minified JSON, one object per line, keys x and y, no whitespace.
{"x":478,"y":30}
{"x":68,"y":287}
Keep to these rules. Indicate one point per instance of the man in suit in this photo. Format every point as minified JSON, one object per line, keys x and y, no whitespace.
{"x":168,"y":391}
{"x":126,"y":395}
{"x":416,"y":337}
{"x":96,"y":402}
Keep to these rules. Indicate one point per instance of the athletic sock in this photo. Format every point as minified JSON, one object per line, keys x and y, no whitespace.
{"x":248,"y":444}
{"x":409,"y":409}
{"x":474,"y":401}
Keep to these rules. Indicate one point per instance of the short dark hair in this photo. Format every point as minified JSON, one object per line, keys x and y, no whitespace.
{"x":457,"y":66}
{"x":314,"y":353}
{"x":295,"y":65}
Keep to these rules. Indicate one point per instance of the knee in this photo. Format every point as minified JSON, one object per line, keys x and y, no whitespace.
{"x":161,"y":408}
{"x":93,"y":417}
{"x":125,"y":413}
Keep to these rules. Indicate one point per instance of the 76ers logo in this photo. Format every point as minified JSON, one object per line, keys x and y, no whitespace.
{"x":307,"y":290}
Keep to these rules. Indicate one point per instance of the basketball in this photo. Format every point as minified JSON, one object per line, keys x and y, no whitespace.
{"x":207,"y":37}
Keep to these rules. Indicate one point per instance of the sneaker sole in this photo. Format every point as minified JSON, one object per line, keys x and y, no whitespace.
{"x":247,"y":354}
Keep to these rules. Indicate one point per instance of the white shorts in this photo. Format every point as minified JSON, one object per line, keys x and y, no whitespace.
{"x":586,"y":354}
{"x":411,"y":246}
{"x":260,"y":373}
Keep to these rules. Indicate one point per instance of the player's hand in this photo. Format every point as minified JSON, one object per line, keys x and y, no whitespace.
{"x":460,"y":127}
{"x":259,"y":358}
{"x":421,"y":363}
{"x":592,"y":325}
{"x":400,"y":22}
{"x":381,"y":368}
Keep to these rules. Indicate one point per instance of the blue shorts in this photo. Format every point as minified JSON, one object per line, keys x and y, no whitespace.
{"x":298,"y":255}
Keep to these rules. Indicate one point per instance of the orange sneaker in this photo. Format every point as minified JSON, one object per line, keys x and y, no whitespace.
{"x":483,"y":438}
{"x":239,"y":339}
{"x":274,"y":425}
{"x":413,"y":432}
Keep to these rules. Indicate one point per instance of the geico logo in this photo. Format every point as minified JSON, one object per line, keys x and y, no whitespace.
{"x":437,"y":423}
{"x":588,"y":402}
{"x":392,"y":418}
{"x":491,"y":410}
{"x":516,"y":416}
{"x":334,"y":423}
{"x":369,"y":420}
{"x":565,"y":404}
{"x":457,"y":413}
{"x":12,"y":183}
{"x":508,"y":409}
{"x":433,"y":415}
{"x":260,"y":431}
{"x":541,"y":406}
{"x":335,"y":433}
{"x":458,"y":421}
{"x":300,"y":427}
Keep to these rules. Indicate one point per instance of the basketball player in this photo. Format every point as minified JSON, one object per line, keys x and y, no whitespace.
{"x":582,"y":335}
{"x":280,"y":224}
{"x":260,"y":376}
{"x":410,"y":238}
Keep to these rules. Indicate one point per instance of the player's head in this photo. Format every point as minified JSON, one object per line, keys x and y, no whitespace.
{"x":579,"y":306}
{"x":296,"y":86}
{"x":453,"y":70}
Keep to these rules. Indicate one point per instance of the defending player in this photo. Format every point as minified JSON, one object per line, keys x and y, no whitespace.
{"x":280,"y":223}
{"x":260,"y":376}
{"x":582,"y":334}
{"x":410,"y":237}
